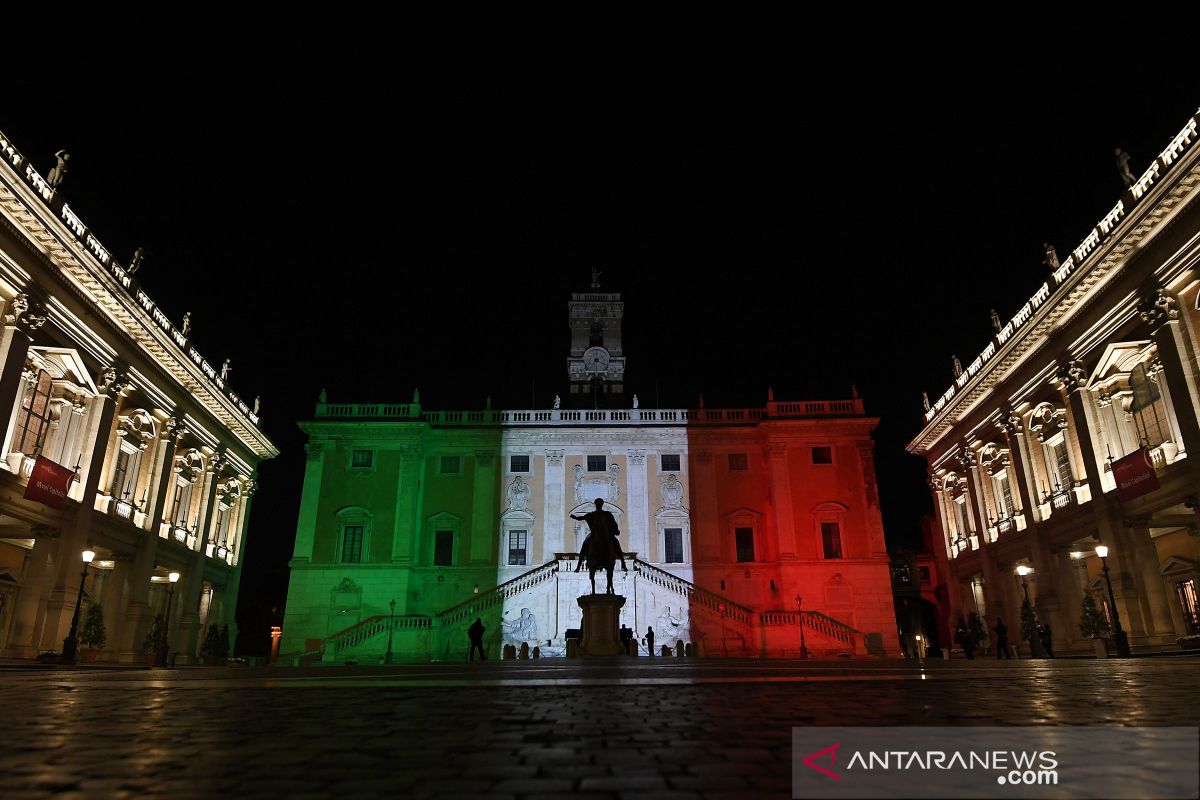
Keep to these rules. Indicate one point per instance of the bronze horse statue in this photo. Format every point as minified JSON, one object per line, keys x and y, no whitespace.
{"x":601,"y":548}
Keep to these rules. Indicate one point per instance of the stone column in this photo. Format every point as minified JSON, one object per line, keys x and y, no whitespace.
{"x":706,"y":527}
{"x":966,"y":458}
{"x":113,"y":603}
{"x":1018,"y":456}
{"x":22,"y":319}
{"x":1155,"y":606}
{"x":407,"y":525}
{"x":25,"y":634}
{"x":996,"y":599}
{"x":1071,"y":593}
{"x":229,"y":601}
{"x":639,"y":536}
{"x":1072,"y":377}
{"x":1161,"y":313}
{"x":781,"y":499}
{"x":77,"y":532}
{"x":484,"y":510}
{"x":310,"y":498}
{"x":138,"y":612}
{"x":554,"y":519}
{"x":187,"y":642}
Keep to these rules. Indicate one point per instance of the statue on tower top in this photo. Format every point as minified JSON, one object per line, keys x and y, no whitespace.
{"x":595,"y":278}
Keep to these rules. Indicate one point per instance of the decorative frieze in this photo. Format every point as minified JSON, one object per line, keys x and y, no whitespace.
{"x":1158,"y":309}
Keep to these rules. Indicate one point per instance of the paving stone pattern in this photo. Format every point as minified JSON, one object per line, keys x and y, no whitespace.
{"x":704,"y":728}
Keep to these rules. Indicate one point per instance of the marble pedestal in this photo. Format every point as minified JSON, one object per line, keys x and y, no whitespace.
{"x":601,"y":623}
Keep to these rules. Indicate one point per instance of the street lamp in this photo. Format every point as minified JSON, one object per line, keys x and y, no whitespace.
{"x":71,"y":644}
{"x":387,"y":659}
{"x":800,"y":619}
{"x":1035,"y":644}
{"x":1119,"y":636}
{"x":165,"y":643}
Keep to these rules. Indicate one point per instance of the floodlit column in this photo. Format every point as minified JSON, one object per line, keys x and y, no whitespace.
{"x":484,"y":512}
{"x":1072,"y":377}
{"x":138,"y":612}
{"x":554,"y":519}
{"x":189,"y":596}
{"x":230,"y":595}
{"x":966,"y":458}
{"x":22,"y":318}
{"x":1161,"y":313}
{"x":310,"y":498}
{"x":406,"y":505}
{"x":1018,"y":455}
{"x":25,"y":634}
{"x":638,"y":539}
{"x":781,"y":498}
{"x":75,"y":535}
{"x":1155,"y":606}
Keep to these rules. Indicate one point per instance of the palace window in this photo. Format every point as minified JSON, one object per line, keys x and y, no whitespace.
{"x":181,"y":502}
{"x":1187,"y":602}
{"x":1003,"y":493}
{"x":362,"y":459}
{"x":924,"y":575}
{"x":34,"y":417}
{"x":964,"y":520}
{"x":443,"y":548}
{"x":125,"y":473}
{"x":221,"y":531}
{"x":517,"y":548}
{"x":669,"y":462}
{"x":597,"y":463}
{"x":737,"y":462}
{"x":1148,"y":409}
{"x":1059,"y":461}
{"x":745,"y":543}
{"x":352,"y":543}
{"x":831,"y":539}
{"x":450,"y":465}
{"x":673,"y":539}
{"x":822,"y":455}
{"x":518,"y":464}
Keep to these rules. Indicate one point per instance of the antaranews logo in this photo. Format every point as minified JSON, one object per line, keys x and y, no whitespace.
{"x":1029,"y":767}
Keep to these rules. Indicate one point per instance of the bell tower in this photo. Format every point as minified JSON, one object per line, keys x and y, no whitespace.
{"x":596,"y":364}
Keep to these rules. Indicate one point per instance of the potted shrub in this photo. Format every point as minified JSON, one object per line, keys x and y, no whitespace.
{"x":1093,"y":625}
{"x":969,"y":634}
{"x":215,"y":648}
{"x":93,"y":635}
{"x":156,"y":637}
{"x":1029,"y":630}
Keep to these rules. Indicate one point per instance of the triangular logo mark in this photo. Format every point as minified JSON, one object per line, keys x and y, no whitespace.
{"x":831,"y":751}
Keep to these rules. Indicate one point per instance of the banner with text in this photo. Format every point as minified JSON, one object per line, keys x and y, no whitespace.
{"x":48,"y":483}
{"x":1135,"y":475}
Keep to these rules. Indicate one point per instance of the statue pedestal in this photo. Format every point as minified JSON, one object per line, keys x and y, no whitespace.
{"x":601,"y":623}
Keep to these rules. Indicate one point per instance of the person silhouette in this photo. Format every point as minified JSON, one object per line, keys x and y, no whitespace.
{"x":650,"y":640}
{"x":600,"y":523}
{"x":1044,"y":635}
{"x":626,"y":637}
{"x":1001,"y":639}
{"x":475,"y":634}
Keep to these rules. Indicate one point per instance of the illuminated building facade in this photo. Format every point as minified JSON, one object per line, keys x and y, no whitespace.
{"x":727,"y":516}
{"x":96,"y":379}
{"x":1077,"y":426}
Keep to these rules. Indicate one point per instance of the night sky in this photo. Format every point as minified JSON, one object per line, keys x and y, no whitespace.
{"x":372,"y":211}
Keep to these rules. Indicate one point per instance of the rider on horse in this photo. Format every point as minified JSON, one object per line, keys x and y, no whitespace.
{"x":601,"y":523}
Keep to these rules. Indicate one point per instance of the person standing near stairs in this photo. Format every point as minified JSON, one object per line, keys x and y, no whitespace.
{"x":475,"y":634}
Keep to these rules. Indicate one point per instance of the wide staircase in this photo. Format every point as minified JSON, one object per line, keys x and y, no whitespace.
{"x":742,"y":630}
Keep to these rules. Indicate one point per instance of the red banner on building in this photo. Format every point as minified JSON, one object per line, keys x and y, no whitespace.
{"x":48,"y":483}
{"x":1135,"y":475}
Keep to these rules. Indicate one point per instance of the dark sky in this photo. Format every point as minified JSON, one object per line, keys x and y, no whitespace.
{"x":376,"y":207}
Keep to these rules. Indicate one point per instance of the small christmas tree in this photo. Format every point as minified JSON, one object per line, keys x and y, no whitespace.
{"x":93,"y":634}
{"x":156,"y":636}
{"x":1029,"y":626}
{"x":1092,"y":622}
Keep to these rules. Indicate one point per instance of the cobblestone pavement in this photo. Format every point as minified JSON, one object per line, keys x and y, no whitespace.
{"x":661,"y":728}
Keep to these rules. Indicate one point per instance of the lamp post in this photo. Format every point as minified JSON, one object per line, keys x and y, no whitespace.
{"x":1035,"y":644}
{"x":164,"y":646}
{"x":800,"y":619}
{"x":1122,"y":641}
{"x":71,"y":644}
{"x":387,"y":659}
